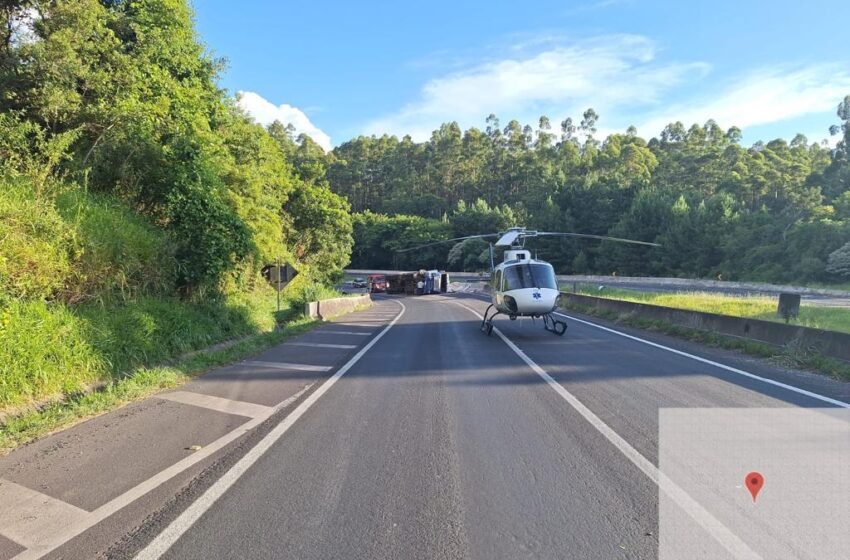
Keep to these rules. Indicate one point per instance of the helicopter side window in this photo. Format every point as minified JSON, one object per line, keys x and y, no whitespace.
{"x":497,"y":280}
{"x":522,"y":276}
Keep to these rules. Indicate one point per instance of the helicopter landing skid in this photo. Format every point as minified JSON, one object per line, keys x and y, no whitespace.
{"x":487,"y":322}
{"x":554,"y":325}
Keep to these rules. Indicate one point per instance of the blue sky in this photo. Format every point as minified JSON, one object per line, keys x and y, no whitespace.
{"x":340,"y":69}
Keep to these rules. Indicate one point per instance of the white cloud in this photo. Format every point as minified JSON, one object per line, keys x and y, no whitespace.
{"x":622,"y":78}
{"x":266,"y":112}
{"x":764,"y":96}
{"x":603,"y":72}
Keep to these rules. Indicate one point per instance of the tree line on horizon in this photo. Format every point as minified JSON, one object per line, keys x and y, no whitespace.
{"x":774,"y":211}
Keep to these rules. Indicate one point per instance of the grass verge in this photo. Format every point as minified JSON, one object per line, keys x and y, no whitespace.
{"x":789,"y":356}
{"x":756,"y":307}
{"x":135,"y":385}
{"x":51,"y":349}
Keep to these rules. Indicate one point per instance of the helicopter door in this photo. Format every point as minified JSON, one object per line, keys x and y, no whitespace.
{"x":498,"y":281}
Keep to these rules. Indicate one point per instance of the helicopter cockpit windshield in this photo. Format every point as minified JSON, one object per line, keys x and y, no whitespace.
{"x":529,"y":276}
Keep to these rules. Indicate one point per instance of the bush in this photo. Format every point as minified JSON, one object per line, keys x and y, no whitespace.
{"x":36,"y":243}
{"x":117,"y":252}
{"x":304,"y":289}
{"x":77,"y":246}
{"x":210,"y":236}
{"x":839,"y":261}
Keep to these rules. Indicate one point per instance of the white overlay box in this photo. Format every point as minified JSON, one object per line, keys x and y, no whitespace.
{"x":705,"y":508}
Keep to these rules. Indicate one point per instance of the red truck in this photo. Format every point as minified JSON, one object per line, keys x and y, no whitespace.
{"x":377,"y":283}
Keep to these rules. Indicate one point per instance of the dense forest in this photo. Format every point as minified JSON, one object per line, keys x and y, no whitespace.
{"x":774,"y":211}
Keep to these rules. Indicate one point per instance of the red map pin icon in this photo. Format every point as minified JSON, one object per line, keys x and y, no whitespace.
{"x":754,"y":482}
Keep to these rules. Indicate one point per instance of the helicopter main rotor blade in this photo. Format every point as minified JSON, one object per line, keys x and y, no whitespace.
{"x":509,"y":238}
{"x":600,"y":237}
{"x":446,"y":241}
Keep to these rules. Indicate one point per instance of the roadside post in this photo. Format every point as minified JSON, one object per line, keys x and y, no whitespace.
{"x":279,"y":275}
{"x":789,"y":306}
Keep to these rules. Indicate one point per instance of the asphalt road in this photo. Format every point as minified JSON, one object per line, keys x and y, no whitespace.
{"x":441,"y":442}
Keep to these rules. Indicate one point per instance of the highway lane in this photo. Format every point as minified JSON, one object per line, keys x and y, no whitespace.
{"x":443,"y":443}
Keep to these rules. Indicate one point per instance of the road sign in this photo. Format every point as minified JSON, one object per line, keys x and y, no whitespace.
{"x":279,"y":275}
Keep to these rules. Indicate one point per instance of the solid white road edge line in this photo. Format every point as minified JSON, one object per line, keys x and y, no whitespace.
{"x":792,"y":388}
{"x":731,"y":369}
{"x":713,"y":526}
{"x":179,"y":526}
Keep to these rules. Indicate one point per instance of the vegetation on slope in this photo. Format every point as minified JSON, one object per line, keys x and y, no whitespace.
{"x":138,"y":204}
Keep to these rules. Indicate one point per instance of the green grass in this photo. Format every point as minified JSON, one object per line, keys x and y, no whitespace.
{"x":71,"y":245}
{"x":834,"y":319}
{"x":791,"y":356}
{"x":89,"y":316}
{"x":135,"y":385}
{"x":48,"y":350}
{"x":60,"y":364}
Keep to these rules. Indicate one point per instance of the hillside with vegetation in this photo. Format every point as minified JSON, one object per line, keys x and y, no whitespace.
{"x":138,"y":204}
{"x":775,"y":211}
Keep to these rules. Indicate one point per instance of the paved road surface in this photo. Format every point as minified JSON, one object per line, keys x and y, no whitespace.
{"x":444,"y":443}
{"x":441,"y":442}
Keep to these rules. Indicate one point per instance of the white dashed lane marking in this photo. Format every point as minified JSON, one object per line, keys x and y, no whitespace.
{"x":322,"y":345}
{"x":287,"y":366}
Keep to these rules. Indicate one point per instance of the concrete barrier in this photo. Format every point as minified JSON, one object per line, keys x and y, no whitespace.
{"x":829,"y":343}
{"x":327,"y":308}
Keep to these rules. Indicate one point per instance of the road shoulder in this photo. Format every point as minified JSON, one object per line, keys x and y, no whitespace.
{"x":101,"y":466}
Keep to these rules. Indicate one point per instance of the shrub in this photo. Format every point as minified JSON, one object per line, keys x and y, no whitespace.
{"x":210,"y":236}
{"x":839,"y":261}
{"x":36,"y":243}
{"x":117,"y":252}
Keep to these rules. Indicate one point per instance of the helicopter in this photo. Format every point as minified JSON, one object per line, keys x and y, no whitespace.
{"x":522,"y":286}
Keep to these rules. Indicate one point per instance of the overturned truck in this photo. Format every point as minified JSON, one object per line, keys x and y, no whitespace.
{"x":418,"y":283}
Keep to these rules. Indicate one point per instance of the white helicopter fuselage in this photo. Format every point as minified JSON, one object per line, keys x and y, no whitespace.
{"x":522,"y":286}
